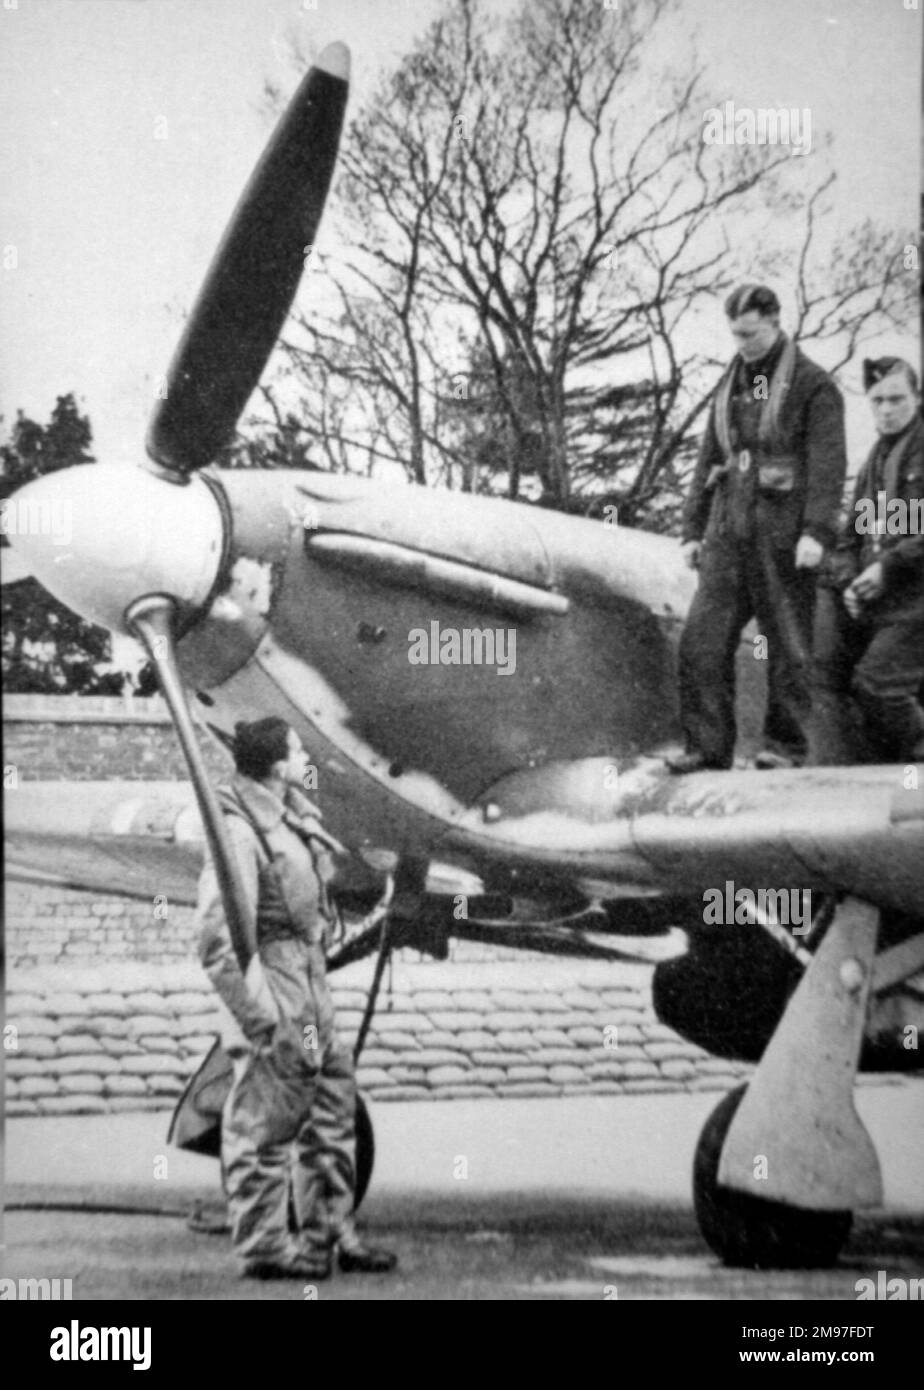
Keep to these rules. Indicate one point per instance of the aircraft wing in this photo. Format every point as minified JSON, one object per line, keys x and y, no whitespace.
{"x":611,"y":831}
{"x":857,"y":830}
{"x":136,"y":839}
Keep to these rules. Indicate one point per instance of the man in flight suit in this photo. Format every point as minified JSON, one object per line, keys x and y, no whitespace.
{"x":868,"y":666}
{"x":288,"y":1122}
{"x":762,"y":506}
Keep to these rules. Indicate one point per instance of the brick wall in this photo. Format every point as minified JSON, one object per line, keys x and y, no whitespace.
{"x":110,"y":1010}
{"x":48,"y":926}
{"x":50,"y":738}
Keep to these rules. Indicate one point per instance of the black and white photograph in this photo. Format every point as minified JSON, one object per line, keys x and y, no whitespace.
{"x":462,"y":507}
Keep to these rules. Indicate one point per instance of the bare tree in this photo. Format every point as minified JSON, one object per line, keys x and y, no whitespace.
{"x":528,"y":224}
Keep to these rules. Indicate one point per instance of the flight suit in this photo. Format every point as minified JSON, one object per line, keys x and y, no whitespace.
{"x":288,"y":1122}
{"x":868,"y":673}
{"x":770,"y":469}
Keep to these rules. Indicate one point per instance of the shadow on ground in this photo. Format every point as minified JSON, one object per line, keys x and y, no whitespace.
{"x":452,"y":1245}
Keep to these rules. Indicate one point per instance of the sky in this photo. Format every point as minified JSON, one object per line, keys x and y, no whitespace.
{"x":131,"y":126}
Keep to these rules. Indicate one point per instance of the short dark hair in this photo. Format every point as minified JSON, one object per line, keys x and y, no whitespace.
{"x":748,"y":297}
{"x":258,"y":745}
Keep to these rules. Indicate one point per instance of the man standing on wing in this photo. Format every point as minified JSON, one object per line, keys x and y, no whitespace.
{"x":288,"y":1124}
{"x":762,"y":506}
{"x":869,"y":626}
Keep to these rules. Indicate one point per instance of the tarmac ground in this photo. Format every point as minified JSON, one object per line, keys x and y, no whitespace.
{"x":570,"y":1199}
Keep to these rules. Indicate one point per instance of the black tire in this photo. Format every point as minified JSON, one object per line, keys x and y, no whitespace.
{"x":365,"y":1151}
{"x":747,"y":1232}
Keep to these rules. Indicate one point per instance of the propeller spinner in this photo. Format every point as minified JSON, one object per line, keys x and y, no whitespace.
{"x":123,"y":533}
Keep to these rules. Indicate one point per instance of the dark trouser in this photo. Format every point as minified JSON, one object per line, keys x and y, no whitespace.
{"x":867,"y":679}
{"x":740,"y":580}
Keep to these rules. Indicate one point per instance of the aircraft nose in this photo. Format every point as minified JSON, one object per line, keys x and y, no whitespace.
{"x":99,"y":536}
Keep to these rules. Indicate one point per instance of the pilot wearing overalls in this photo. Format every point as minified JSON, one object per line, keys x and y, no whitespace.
{"x":868,"y":667}
{"x":288,"y":1122}
{"x":762,"y":506}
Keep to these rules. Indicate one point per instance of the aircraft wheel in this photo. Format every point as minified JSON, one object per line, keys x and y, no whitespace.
{"x":746,"y":1232}
{"x":365,"y":1151}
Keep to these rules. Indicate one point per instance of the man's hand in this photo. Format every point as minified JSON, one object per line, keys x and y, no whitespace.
{"x":809,"y":553}
{"x":866,"y":588}
{"x":871,"y":583}
{"x":690,"y":550}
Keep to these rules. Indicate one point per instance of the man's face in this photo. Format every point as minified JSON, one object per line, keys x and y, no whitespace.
{"x":754,"y":334}
{"x":893,"y":403}
{"x":295,"y":766}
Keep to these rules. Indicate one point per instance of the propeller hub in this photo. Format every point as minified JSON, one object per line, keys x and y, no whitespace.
{"x":101,"y":536}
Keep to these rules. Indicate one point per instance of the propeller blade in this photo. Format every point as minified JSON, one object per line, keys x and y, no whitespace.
{"x":152,"y":620}
{"x":253,"y":277}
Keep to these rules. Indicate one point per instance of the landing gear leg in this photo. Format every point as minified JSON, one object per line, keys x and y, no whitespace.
{"x":782,"y":1165}
{"x":748,"y":1232}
